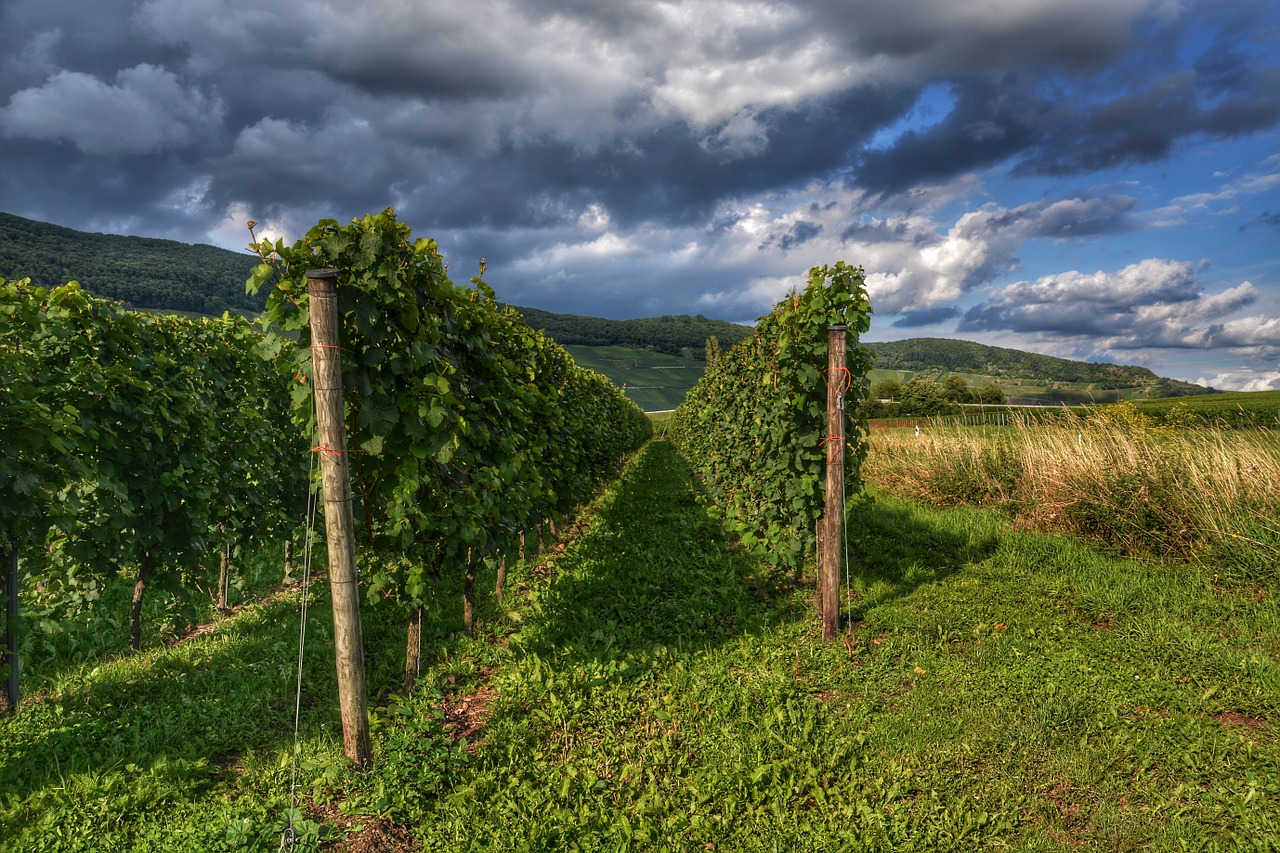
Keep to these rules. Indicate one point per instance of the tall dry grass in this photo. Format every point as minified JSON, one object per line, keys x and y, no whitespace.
{"x":1113,"y":476}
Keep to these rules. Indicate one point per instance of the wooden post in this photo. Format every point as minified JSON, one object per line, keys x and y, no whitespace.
{"x":833,"y":514}
{"x":224,"y":569}
{"x":339,"y":527}
{"x":11,"y":624}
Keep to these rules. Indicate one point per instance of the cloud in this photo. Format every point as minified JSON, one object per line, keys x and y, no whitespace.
{"x":1155,"y":303}
{"x":1243,"y":380}
{"x":146,"y":110}
{"x":631,"y":157}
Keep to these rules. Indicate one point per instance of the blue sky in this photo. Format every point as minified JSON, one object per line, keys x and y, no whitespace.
{"x":1095,"y":179}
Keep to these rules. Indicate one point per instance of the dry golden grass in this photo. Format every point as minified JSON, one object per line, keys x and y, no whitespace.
{"x":1113,"y":476}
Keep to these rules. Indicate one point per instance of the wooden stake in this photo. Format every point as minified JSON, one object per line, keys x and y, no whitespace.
{"x":833,"y":515}
{"x":224,"y":570}
{"x":339,"y":527}
{"x":145,"y":570}
{"x":413,"y":651}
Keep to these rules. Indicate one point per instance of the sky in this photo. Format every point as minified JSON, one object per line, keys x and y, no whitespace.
{"x":1093,"y":179}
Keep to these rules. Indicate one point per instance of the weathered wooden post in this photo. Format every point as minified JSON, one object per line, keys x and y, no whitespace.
{"x":339,"y":527}
{"x":833,"y":513}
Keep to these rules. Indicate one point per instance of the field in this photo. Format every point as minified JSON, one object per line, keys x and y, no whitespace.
{"x":646,"y":686}
{"x":1236,"y":409}
{"x":653,"y":381}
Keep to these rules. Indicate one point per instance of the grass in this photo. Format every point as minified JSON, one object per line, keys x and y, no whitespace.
{"x":650,"y":688}
{"x":1113,"y":476}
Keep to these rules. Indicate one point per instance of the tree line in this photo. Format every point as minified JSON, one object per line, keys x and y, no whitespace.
{"x":922,"y":397}
{"x":918,"y":355}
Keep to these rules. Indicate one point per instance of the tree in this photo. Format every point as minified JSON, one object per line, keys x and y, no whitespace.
{"x":923,"y":398}
{"x":990,"y":395}
{"x":956,"y":390}
{"x":886,"y":389}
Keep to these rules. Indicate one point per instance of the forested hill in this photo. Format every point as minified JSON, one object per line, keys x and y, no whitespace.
{"x":142,"y":272}
{"x":951,"y":356}
{"x":671,"y":334}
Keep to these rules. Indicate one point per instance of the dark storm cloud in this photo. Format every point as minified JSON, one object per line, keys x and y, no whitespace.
{"x":927,"y":317}
{"x":522,"y":115}
{"x":632,"y":158}
{"x":1143,"y":127}
{"x":991,"y":121}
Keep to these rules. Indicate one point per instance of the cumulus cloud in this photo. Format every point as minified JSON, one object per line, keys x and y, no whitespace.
{"x":146,"y":109}
{"x":1243,"y":380}
{"x":1155,"y":303}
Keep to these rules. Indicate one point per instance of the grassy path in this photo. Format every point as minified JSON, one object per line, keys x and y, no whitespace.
{"x":650,"y":688}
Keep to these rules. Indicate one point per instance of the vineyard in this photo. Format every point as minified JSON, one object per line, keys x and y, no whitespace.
{"x":578,"y":636}
{"x":149,"y":442}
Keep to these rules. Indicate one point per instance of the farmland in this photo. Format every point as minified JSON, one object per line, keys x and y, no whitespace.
{"x":1027,"y":656}
{"x":648,"y":686}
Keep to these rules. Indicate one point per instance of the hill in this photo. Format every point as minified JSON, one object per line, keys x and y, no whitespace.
{"x":1026,"y":374}
{"x":680,"y":334}
{"x":142,"y":272}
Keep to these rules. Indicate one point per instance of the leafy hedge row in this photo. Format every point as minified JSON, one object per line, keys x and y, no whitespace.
{"x":753,"y":428}
{"x":136,"y":439}
{"x":467,"y":426}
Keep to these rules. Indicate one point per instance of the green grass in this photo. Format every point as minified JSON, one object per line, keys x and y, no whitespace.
{"x":1235,"y":409}
{"x":650,"y":688}
{"x":653,"y":381}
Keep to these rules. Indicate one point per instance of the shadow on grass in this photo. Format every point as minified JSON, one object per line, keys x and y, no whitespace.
{"x":895,"y":550}
{"x":197,"y":706}
{"x":653,"y":573}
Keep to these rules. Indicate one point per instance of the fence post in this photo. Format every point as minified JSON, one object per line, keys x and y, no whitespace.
{"x":339,"y":527}
{"x":833,"y":514}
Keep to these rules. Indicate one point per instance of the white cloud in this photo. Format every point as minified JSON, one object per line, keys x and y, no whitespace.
{"x":1243,"y":380}
{"x":147,"y":109}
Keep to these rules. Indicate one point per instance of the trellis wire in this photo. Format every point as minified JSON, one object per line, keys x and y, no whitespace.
{"x":290,"y":836}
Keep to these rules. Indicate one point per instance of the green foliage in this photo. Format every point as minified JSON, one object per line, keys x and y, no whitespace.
{"x":143,"y":272}
{"x":130,"y":436}
{"x":886,"y":389}
{"x":753,"y":429}
{"x":924,"y":398}
{"x":989,"y":395}
{"x":955,"y":389}
{"x":466,"y":425}
{"x":654,"y":690}
{"x":1240,"y":409}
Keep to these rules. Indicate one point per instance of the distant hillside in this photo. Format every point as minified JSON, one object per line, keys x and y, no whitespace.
{"x":926,"y":355}
{"x":140,"y":271}
{"x":672,"y":335}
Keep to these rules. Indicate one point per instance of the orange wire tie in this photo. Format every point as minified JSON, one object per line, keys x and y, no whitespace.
{"x":332,"y":451}
{"x":838,"y":442}
{"x":846,"y":379}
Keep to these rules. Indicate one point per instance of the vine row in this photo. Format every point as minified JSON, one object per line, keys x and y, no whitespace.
{"x":753,"y":428}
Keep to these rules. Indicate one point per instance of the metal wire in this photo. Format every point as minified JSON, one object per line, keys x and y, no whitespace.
{"x":290,"y":835}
